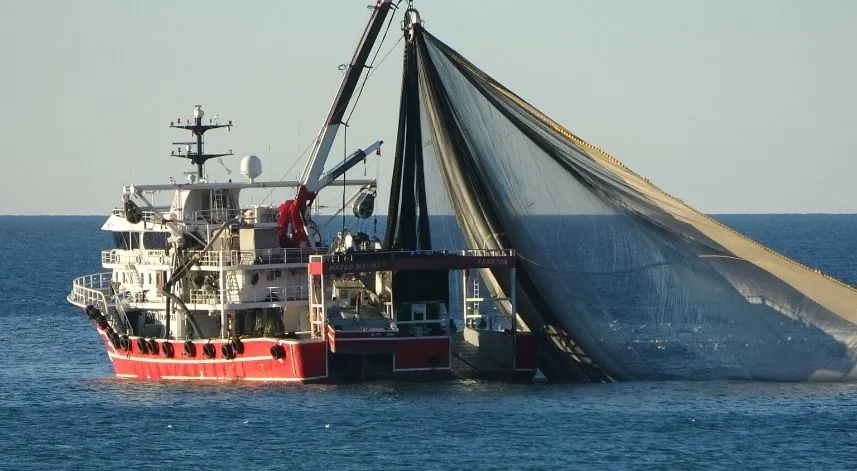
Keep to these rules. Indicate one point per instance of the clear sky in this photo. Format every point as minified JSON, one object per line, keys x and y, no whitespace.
{"x":734,"y":106}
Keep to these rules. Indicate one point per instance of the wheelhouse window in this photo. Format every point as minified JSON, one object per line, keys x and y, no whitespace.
{"x":155,"y":240}
{"x":122,"y":240}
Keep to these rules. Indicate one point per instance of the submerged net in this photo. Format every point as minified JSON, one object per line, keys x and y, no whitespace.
{"x":620,"y":279}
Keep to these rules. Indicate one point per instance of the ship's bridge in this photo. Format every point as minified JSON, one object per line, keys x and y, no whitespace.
{"x":212,"y":205}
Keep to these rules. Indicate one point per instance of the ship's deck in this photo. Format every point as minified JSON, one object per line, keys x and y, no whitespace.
{"x":364,"y":318}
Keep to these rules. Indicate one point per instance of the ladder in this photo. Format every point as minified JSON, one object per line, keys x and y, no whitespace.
{"x":135,"y":278}
{"x":217,"y":210}
{"x":233,"y":289}
{"x":476,"y":304}
{"x":217,"y":199}
{"x":119,"y":306}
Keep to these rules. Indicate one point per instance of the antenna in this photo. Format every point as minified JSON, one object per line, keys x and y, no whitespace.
{"x":197,"y":129}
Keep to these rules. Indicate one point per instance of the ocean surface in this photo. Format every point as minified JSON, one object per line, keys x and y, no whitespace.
{"x":60,"y":407}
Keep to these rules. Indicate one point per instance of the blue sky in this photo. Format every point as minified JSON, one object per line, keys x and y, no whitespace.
{"x":733,"y":106}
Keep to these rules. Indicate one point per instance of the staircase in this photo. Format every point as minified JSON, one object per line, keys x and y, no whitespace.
{"x":233,"y":288}
{"x":122,"y":317}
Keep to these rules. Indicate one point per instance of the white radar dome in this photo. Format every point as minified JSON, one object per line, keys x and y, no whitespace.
{"x":251,"y":167}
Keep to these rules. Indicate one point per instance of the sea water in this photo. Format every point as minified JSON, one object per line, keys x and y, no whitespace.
{"x":60,"y":407}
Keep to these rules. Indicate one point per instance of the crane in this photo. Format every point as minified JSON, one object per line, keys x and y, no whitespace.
{"x":294,"y":213}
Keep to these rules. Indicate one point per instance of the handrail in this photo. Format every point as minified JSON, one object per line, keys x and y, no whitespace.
{"x":147,"y":216}
{"x":212,"y":258}
{"x":134,"y":257}
{"x":253,"y":213}
{"x":90,"y":290}
{"x":348,"y":257}
{"x":273,"y":294}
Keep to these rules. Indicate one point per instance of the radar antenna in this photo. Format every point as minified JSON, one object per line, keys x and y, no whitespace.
{"x":197,"y":129}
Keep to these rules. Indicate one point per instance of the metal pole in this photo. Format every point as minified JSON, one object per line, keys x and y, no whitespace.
{"x":198,"y":132}
{"x":322,"y":314}
{"x":513,"y":299}
{"x":222,"y":295}
{"x":464,"y":296}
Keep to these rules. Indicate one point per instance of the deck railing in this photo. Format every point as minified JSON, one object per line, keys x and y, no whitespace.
{"x":148,"y":216}
{"x":251,"y":213}
{"x":212,"y":258}
{"x":391,"y":254}
{"x":134,"y":257}
{"x":272,"y":294}
{"x":90,"y":290}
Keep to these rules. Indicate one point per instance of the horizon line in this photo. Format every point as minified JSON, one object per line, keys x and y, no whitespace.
{"x":838,"y":213}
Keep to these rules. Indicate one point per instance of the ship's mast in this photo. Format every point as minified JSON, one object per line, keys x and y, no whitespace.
{"x":197,"y":129}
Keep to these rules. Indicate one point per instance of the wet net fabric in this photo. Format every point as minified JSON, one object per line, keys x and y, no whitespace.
{"x":619,"y":279}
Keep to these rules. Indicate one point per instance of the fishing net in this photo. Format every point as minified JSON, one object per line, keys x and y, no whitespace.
{"x":618,"y":278}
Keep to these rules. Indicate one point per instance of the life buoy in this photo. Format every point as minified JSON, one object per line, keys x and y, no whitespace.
{"x":125,"y":343}
{"x":168,"y":349}
{"x":152,"y":344}
{"x":142,"y":345}
{"x":208,"y":351}
{"x":189,"y":349}
{"x":162,"y":260}
{"x":227,"y":351}
{"x":139,"y":259}
{"x":237,"y":345}
{"x":277,"y":352}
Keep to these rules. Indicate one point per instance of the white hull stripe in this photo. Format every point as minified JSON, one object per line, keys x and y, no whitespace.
{"x":235,"y":378}
{"x":388,"y":339}
{"x":273,"y":340}
{"x":154,"y":359}
{"x":440,"y":368}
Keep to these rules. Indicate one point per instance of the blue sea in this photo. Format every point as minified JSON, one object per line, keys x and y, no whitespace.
{"x":60,"y":407}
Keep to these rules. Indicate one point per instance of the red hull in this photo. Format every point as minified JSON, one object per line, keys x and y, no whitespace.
{"x":410,"y":354}
{"x":303,"y":360}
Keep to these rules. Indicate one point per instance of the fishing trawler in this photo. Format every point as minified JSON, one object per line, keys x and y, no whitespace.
{"x":613,"y":279}
{"x":209,"y":287}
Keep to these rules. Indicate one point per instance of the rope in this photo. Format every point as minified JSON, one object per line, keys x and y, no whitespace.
{"x":371,"y":65}
{"x":344,"y":158}
{"x":289,"y":170}
{"x":372,"y":71}
{"x":375,"y":216}
{"x":360,"y":92}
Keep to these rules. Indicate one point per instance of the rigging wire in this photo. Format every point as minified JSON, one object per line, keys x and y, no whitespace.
{"x":387,"y":54}
{"x":301,"y":156}
{"x":344,"y":174}
{"x":377,"y":176}
{"x":356,"y":100}
{"x":371,"y":66}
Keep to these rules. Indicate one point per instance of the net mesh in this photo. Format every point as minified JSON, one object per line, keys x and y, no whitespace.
{"x":620,"y":279}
